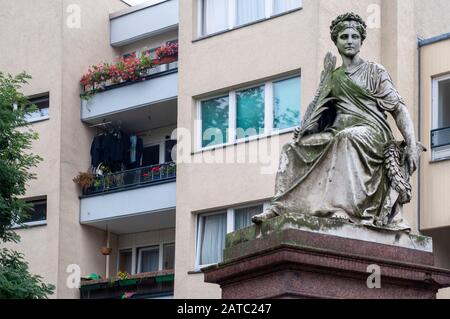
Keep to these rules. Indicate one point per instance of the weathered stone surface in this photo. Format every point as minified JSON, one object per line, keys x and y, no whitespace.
{"x":295,"y":256}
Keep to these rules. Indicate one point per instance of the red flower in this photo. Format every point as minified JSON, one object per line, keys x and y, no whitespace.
{"x":156,"y":169}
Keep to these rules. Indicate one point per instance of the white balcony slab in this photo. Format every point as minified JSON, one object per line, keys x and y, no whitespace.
{"x":143,"y":21}
{"x":153,"y":199}
{"x":155,"y":90}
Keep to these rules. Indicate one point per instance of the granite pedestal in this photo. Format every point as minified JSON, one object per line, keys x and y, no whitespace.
{"x":301,"y":256}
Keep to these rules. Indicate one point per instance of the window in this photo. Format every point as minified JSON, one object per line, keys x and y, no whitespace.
{"x":249,"y":10}
{"x":150,"y":155}
{"x":147,"y":259}
{"x":214,"y":16}
{"x":286,"y":97}
{"x":154,"y":154}
{"x":220,"y":15}
{"x":212,"y":229}
{"x":169,"y":256}
{"x":440,"y":134}
{"x":42,"y":104}
{"x":280,"y":6}
{"x":126,"y":260}
{"x":250,"y":112}
{"x":169,"y":145}
{"x":263,"y":109}
{"x":37,"y":214}
{"x":214,"y":114}
{"x":243,"y":216}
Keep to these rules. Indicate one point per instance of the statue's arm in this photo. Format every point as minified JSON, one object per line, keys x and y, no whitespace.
{"x":406,"y":127}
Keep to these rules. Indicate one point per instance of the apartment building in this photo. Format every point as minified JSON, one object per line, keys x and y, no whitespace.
{"x":160,"y":222}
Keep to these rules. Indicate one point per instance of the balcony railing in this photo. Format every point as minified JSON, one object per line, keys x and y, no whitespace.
{"x":160,"y":67}
{"x":141,"y":286}
{"x":132,"y":178}
{"x":440,"y":137}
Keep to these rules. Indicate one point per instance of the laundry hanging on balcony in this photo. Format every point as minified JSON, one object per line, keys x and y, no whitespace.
{"x":116,"y":150}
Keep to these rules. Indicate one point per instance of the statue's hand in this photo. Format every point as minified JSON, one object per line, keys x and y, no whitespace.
{"x":412,"y":158}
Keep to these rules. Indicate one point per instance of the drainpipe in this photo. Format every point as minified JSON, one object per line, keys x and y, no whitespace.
{"x":108,"y":239}
{"x":419,"y":132}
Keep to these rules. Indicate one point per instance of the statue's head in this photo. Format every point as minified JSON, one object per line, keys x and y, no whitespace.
{"x":348,"y":32}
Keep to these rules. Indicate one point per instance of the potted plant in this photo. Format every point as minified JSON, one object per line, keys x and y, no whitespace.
{"x":106,"y":251}
{"x":84,"y":180}
{"x":124,"y":279}
{"x":156,"y":172}
{"x":167,"y":53}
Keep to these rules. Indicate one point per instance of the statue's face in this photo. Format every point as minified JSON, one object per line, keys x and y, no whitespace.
{"x":349,"y":42}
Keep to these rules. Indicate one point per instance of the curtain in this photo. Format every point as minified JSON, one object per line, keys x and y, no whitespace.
{"x":213,"y":238}
{"x":215,"y":16}
{"x":249,"y":10}
{"x":243,"y":216}
{"x":280,"y":6}
{"x":150,"y":260}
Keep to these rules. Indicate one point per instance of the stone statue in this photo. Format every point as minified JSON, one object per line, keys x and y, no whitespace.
{"x":344,"y":162}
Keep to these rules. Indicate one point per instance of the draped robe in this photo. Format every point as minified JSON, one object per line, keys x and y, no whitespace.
{"x":339,"y":171}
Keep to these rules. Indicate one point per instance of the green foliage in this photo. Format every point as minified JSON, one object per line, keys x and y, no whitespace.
{"x":15,"y":280}
{"x":15,"y":164}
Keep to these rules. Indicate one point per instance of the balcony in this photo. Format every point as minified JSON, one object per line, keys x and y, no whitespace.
{"x":440,"y":143}
{"x":131,"y":201}
{"x":155,"y":91}
{"x":143,"y":21}
{"x":155,"y":285}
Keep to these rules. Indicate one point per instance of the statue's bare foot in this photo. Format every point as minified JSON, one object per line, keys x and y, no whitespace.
{"x":260,"y":218}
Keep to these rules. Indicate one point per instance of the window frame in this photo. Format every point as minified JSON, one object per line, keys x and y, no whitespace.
{"x":442,"y":152}
{"x":269,"y":128}
{"x":35,"y":223}
{"x":40,"y":96}
{"x":119,"y":251}
{"x":230,"y":227}
{"x":135,"y":262}
{"x":139,"y":251}
{"x":232,"y":16}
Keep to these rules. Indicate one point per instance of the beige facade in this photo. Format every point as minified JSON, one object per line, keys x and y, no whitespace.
{"x":264,"y":50}
{"x":36,"y":38}
{"x":56,"y":54}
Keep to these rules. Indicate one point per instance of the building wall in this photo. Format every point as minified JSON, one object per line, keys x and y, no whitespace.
{"x":82,"y":47}
{"x":33,"y":42}
{"x":36,"y":38}
{"x":435,"y":176}
{"x":296,"y":41}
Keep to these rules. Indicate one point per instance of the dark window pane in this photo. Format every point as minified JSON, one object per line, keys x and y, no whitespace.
{"x":42,"y":105}
{"x":169,"y":256}
{"x":169,"y":146}
{"x":125,"y":260}
{"x":150,"y":156}
{"x":444,"y":104}
{"x":38,"y":212}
